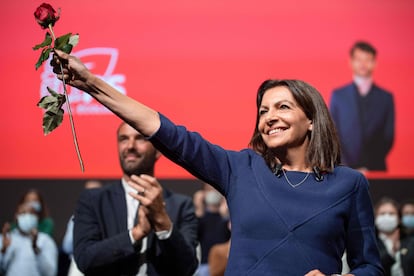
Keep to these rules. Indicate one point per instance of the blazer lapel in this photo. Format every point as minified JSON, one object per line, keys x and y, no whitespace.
{"x":119,"y":207}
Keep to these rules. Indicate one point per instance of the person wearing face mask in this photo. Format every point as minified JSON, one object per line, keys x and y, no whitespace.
{"x":35,"y":199}
{"x":396,"y":252}
{"x":211,"y":210}
{"x":25,"y":250}
{"x":407,"y":217}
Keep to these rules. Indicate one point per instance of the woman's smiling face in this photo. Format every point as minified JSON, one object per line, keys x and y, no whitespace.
{"x":282,"y":122}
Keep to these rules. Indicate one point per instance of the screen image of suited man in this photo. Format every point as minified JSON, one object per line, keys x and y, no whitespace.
{"x":364,"y":114}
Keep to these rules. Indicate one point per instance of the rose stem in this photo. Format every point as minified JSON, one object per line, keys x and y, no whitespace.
{"x":75,"y":140}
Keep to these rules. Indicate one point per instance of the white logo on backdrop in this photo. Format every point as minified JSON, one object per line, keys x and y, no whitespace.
{"x":80,"y":102}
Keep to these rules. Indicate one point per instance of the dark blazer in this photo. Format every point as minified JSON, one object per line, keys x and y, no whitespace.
{"x":374,"y":121}
{"x":102,"y":245}
{"x":407,"y":256}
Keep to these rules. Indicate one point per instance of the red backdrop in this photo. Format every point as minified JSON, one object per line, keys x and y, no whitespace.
{"x":198,"y":62}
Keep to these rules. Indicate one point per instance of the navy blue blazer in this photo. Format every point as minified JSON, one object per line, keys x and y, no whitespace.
{"x":102,"y":245}
{"x":366,"y":135}
{"x":278,"y":229}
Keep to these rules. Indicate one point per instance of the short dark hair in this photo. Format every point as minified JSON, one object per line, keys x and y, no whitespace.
{"x":364,"y":46}
{"x":409,"y":201}
{"x":387,"y":200}
{"x":324,"y":147}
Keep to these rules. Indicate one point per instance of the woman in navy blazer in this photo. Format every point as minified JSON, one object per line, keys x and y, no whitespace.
{"x":294,"y":210}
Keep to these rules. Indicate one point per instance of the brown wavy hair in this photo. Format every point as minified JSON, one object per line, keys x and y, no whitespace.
{"x":44,"y":213}
{"x":324,"y":148}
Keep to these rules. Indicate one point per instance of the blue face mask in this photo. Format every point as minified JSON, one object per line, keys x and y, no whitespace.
{"x":26,"y":222}
{"x":408,"y":221}
{"x":35,"y":205}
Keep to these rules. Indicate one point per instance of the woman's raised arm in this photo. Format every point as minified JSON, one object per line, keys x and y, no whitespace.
{"x":75,"y":73}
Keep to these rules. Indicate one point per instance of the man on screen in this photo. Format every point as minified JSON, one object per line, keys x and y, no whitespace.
{"x":135,"y":226}
{"x":363,"y":114}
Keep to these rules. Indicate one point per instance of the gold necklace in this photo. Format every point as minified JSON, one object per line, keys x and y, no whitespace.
{"x":297,"y":184}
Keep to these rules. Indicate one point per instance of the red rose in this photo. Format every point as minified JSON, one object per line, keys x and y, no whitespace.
{"x":46,"y":15}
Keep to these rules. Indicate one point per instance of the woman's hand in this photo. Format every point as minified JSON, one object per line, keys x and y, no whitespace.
{"x":316,"y":272}
{"x":74,"y":72}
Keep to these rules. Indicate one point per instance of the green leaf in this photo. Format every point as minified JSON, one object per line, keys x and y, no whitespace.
{"x":43,"y":56}
{"x":46,"y":42}
{"x":62,"y":41}
{"x":67,"y":48}
{"x":52,"y":121}
{"x":53,"y":116}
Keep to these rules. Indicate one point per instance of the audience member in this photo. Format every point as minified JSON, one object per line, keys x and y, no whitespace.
{"x":397,"y":253}
{"x":25,"y":250}
{"x":135,"y":226}
{"x":34,"y":198}
{"x":212,"y":225}
{"x":363,"y":114}
{"x":218,"y":257}
{"x":407,"y":214}
{"x":67,"y":242}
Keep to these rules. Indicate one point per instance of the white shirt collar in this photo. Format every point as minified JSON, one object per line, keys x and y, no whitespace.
{"x":127,"y":189}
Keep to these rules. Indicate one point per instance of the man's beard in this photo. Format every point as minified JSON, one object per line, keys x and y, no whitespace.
{"x":142,"y":166}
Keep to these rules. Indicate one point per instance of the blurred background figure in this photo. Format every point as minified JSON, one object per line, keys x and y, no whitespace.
{"x":366,"y":111}
{"x":212,"y":212}
{"x":67,"y":242}
{"x":25,"y":250}
{"x":35,"y":199}
{"x":218,"y":257}
{"x":407,"y":214}
{"x":396,"y":252}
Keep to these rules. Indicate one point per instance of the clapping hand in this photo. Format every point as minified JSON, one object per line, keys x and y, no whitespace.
{"x":34,"y":234}
{"x":150,"y":197}
{"x":6,"y":238}
{"x":143,"y":226}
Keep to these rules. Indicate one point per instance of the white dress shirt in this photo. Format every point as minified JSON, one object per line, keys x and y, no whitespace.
{"x":132,"y":208}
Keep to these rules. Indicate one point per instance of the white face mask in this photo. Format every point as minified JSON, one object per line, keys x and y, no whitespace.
{"x":213,"y":198}
{"x":26,"y":222}
{"x":386,"y":223}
